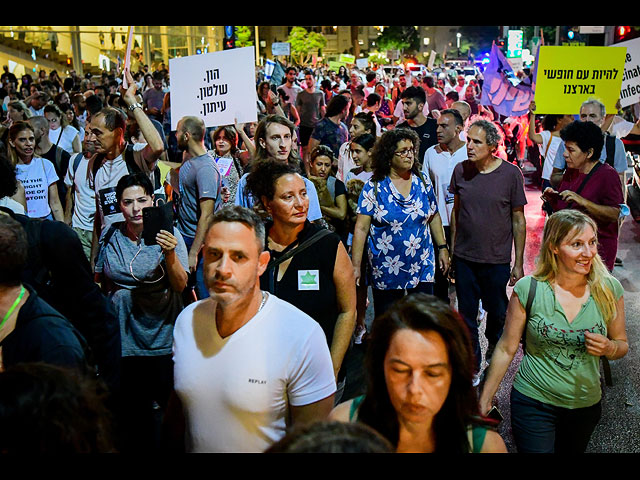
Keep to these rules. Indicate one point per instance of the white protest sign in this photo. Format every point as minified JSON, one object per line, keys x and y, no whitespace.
{"x":362,"y":63}
{"x":218,"y":87}
{"x":630,"y":89}
{"x":280,"y":48}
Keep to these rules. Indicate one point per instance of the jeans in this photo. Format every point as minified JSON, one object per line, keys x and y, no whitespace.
{"x":542,"y":428}
{"x":486,"y":282}
{"x":383,"y":299}
{"x":196,"y":281}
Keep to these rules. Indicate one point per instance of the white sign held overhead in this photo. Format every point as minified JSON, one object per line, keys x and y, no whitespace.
{"x":592,"y":29}
{"x":280,"y":48}
{"x":218,"y":87}
{"x":630,"y":89}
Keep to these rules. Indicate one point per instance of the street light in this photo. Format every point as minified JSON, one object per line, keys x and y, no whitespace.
{"x":458,"y":36}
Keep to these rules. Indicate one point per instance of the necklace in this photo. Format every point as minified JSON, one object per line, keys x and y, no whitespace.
{"x":265,"y":295}
{"x":13,"y":307}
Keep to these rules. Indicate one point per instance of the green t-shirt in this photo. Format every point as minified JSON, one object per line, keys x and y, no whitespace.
{"x":557,"y":369}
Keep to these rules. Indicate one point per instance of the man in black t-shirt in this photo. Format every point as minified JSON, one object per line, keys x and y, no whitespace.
{"x":413,"y":100}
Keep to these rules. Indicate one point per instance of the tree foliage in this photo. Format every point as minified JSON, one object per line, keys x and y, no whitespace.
{"x":399,"y":38}
{"x":304,"y":44}
{"x":244,"y":36}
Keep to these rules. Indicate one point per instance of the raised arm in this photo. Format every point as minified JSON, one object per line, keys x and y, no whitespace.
{"x":155,"y":145}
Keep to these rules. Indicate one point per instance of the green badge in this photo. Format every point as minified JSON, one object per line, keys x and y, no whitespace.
{"x":308,"y":280}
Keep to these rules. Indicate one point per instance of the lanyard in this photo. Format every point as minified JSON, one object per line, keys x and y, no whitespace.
{"x":13,"y":307}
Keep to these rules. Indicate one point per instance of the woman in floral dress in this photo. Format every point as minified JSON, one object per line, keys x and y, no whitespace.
{"x":398,"y":210}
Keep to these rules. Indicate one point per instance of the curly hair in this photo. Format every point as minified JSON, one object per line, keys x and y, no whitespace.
{"x":261,"y":181}
{"x":421,"y":312}
{"x":587,"y":135}
{"x":385,"y":149}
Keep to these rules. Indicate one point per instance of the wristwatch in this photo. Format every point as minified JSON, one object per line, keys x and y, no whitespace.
{"x":134,"y":106}
{"x":442,"y":247}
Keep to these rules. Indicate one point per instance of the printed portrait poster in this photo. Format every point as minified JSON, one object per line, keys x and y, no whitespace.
{"x":218,"y":87}
{"x":567,"y":76}
{"x":630,"y":90}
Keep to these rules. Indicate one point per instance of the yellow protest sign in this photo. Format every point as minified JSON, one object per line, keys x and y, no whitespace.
{"x":567,"y":76}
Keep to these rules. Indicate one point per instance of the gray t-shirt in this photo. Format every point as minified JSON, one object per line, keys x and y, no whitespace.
{"x":146,"y":305}
{"x":199,"y":179}
{"x":484,"y":232}
{"x":308,"y":106}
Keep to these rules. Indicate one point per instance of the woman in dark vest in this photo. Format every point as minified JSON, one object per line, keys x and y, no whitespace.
{"x":317,"y":278}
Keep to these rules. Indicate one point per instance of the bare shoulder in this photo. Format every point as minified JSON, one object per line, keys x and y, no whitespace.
{"x":340,"y":413}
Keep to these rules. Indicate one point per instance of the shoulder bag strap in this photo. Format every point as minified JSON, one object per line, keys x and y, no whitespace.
{"x":530,"y":297}
{"x":586,"y":179}
{"x":303,"y":246}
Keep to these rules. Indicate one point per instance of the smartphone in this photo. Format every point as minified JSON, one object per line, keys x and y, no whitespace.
{"x":495,"y":414}
{"x":155,"y":219}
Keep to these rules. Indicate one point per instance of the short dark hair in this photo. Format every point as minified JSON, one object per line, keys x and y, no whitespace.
{"x":137,"y":179}
{"x":113,"y":117}
{"x":290,"y":69}
{"x":453,"y":95}
{"x":94,"y":104}
{"x":417,"y":93}
{"x":319,"y":151}
{"x":236,"y":213}
{"x":14,"y":248}
{"x":336,"y":105}
{"x":428,"y":81}
{"x":455,"y":114}
{"x":332,"y":437}
{"x":586,"y":135}
{"x":370,"y":76}
{"x":372,"y":99}
{"x":195,"y":126}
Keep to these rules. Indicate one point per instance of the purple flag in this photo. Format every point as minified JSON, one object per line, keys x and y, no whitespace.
{"x":502,"y":89}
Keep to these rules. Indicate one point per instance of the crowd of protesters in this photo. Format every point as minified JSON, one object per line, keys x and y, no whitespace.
{"x":228,"y":269}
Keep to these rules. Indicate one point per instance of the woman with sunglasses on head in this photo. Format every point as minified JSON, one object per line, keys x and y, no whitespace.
{"x":61,"y":133}
{"x":398,"y":212}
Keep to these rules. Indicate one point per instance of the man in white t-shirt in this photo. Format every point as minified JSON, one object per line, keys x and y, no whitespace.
{"x":439,"y":162}
{"x":247,"y":365}
{"x":80,"y":207}
{"x":106,"y":130}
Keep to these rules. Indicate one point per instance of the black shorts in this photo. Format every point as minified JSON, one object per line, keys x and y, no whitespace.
{"x":305,"y":135}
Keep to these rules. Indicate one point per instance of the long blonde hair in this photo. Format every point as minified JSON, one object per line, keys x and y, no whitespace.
{"x":569,"y":223}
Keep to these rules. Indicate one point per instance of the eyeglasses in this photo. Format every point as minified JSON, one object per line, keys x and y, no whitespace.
{"x":405,"y":153}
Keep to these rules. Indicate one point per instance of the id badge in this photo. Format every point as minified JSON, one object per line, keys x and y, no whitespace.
{"x":308,"y":280}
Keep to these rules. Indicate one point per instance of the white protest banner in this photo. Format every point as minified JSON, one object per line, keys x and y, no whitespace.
{"x":280,"y":48}
{"x":362,"y":63}
{"x":217,"y":87}
{"x":630,"y":89}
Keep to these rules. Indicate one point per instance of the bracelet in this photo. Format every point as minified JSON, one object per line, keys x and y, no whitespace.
{"x":442,"y":247}
{"x":616,"y":349}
